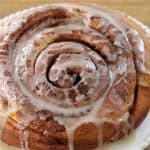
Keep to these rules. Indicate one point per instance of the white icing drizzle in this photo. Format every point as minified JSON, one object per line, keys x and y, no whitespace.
{"x":26,"y":140}
{"x":71,"y":124}
{"x":124,"y":28}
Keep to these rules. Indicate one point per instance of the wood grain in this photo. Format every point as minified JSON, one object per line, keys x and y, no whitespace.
{"x":139,"y":9}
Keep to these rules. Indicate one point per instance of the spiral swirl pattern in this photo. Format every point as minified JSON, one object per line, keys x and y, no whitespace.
{"x":74,"y":62}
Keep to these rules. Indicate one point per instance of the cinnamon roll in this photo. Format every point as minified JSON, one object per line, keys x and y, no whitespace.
{"x":71,"y":77}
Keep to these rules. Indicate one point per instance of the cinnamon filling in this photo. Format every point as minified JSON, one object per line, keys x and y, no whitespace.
{"x":75,"y":63}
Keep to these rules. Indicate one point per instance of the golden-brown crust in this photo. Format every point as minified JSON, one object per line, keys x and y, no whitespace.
{"x":87,"y":135}
{"x":141,"y":106}
{"x":49,"y":134}
{"x":11,"y":134}
{"x":142,"y":102}
{"x":42,"y":135}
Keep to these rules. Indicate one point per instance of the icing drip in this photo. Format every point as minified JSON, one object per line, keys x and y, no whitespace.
{"x":25,"y":139}
{"x":79,"y":69}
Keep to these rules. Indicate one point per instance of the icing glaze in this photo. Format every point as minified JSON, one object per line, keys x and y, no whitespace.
{"x":70,"y":67}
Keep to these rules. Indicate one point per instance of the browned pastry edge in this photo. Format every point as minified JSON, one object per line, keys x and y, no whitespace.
{"x":142,"y":101}
{"x":49,"y":135}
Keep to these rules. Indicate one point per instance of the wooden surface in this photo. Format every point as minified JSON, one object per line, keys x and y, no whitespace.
{"x":139,"y":9}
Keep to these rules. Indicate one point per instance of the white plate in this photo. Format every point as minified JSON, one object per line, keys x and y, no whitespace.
{"x":137,"y":140}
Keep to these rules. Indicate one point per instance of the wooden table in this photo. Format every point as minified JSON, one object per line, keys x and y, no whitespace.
{"x":139,"y":9}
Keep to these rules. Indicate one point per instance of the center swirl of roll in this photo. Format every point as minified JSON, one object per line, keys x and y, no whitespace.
{"x":67,"y":74}
{"x":71,"y":64}
{"x":69,"y":69}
